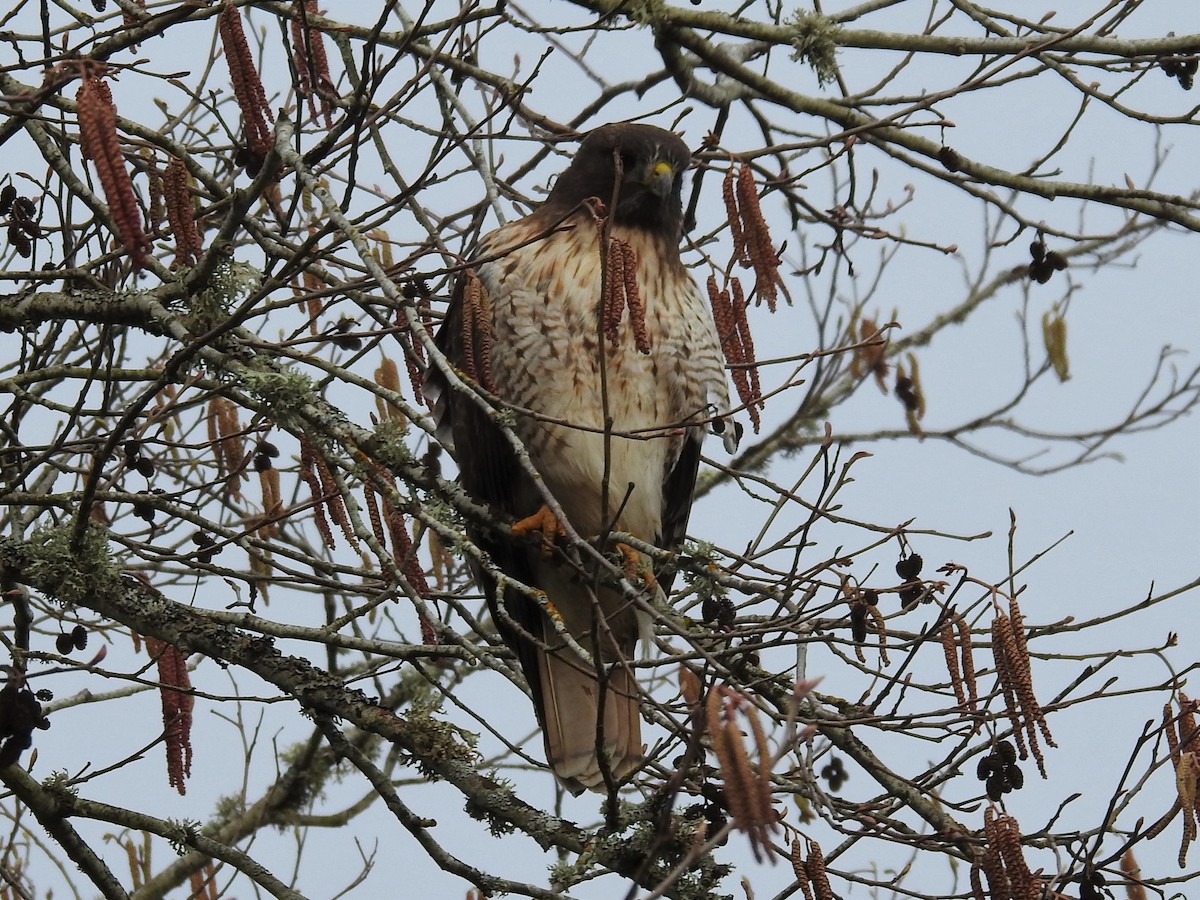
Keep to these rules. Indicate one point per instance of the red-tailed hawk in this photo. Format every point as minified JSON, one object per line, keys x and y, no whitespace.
{"x":627,"y":408}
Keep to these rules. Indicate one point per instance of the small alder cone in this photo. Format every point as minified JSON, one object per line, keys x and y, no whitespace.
{"x":99,"y":142}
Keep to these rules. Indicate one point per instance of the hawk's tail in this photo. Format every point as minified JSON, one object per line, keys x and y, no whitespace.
{"x":581,"y":714}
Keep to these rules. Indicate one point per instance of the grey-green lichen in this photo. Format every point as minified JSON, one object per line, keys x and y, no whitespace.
{"x":393,"y":449}
{"x":506,"y":418}
{"x":230,"y":284}
{"x":815,"y":41}
{"x":66,"y":573}
{"x":644,"y":12}
{"x":284,"y":392}
{"x":181,"y":834}
{"x":639,"y":833}
{"x":59,"y":782}
{"x":442,"y":743}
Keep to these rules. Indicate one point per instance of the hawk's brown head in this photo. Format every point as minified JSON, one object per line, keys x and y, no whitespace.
{"x":651,"y":161}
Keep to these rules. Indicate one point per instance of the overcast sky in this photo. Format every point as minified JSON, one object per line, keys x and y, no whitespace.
{"x":1132,"y":523}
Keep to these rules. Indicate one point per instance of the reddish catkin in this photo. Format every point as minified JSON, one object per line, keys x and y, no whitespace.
{"x":175,"y":684}
{"x":950,"y":650}
{"x":441,"y":560}
{"x":1000,"y":629}
{"x":727,"y":332}
{"x":428,"y":632}
{"x":370,"y":499}
{"x":157,"y":210}
{"x":308,"y":472}
{"x":247,"y":85}
{"x":1169,"y":727}
{"x":477,"y":332}
{"x":977,"y":883}
{"x":1186,"y":770}
{"x":734,"y":333}
{"x":1008,"y":834}
{"x":204,"y":883}
{"x":1034,"y":708}
{"x":225,"y":439}
{"x":764,"y":811}
{"x":881,"y":629}
{"x":815,"y":866}
{"x":1189,"y":736}
{"x":621,"y":292}
{"x":968,"y":662}
{"x":312,"y":63}
{"x":404,"y":552}
{"x":387,"y":376}
{"x":747,"y":352}
{"x":722,"y":311}
{"x":729,"y":195}
{"x":633,"y":299}
{"x":213,"y":420}
{"x":735,"y":790}
{"x":414,"y":356}
{"x":747,"y":794}
{"x":799,"y":870}
{"x":757,"y":239}
{"x":181,"y":214}
{"x":99,"y":142}
{"x":993,"y":864}
{"x":690,"y":687}
{"x":310,"y":288}
{"x":1019,"y":677}
{"x":137,"y":866}
{"x":334,"y":501}
{"x":740,"y":790}
{"x":612,"y":302}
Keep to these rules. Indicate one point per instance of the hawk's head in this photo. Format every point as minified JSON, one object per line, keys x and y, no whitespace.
{"x":650,"y":163}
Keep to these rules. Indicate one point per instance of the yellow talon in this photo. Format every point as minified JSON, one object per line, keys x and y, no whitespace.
{"x":635,"y":568}
{"x":545,"y":524}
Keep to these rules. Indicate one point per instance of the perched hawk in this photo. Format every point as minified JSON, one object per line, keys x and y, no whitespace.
{"x":529,"y":329}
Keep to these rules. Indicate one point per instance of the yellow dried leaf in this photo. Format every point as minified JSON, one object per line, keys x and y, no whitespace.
{"x":689,"y":686}
{"x":1054,"y":336}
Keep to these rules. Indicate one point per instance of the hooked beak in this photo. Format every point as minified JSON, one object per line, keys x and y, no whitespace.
{"x":658,"y":178}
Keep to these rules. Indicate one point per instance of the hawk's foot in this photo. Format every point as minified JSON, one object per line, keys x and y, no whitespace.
{"x":547,"y":526}
{"x":636,"y":567}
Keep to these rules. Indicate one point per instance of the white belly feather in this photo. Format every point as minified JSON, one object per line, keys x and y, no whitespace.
{"x":546,"y":358}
